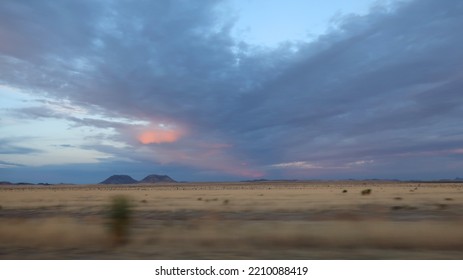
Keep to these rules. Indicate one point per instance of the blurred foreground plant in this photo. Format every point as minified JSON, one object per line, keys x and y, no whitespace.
{"x":119,"y":215}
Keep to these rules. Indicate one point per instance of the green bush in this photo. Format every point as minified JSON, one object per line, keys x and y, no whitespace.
{"x":119,"y":215}
{"x":366,"y":192}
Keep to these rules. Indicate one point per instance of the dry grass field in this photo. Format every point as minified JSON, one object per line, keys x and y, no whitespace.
{"x":262,"y":220}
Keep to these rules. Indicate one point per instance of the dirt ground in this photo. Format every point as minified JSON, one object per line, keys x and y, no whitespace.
{"x":262,"y":220}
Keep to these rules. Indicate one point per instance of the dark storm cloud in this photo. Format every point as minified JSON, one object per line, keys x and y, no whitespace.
{"x":375,"y":89}
{"x":382,"y":82}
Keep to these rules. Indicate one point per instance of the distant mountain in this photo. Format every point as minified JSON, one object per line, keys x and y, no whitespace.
{"x":153,"y":178}
{"x":268,"y":180}
{"x":255,"y":180}
{"x":456,"y":180}
{"x":2,"y":183}
{"x":119,"y":179}
{"x":125,"y":179}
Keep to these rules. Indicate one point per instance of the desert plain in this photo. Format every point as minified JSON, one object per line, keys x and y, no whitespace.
{"x":245,"y":220}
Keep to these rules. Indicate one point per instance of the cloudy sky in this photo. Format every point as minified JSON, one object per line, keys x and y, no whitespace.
{"x":230,"y":90}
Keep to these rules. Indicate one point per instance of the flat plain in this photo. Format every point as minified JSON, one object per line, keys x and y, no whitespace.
{"x":252,"y":220}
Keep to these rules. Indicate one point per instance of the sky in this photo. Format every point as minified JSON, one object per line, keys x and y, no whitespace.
{"x":230,"y":90}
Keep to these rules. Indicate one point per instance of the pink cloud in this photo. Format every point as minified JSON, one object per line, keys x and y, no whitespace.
{"x":159,"y":136}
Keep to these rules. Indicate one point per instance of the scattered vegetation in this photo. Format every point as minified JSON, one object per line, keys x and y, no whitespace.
{"x":300,"y":217}
{"x":366,"y":192}
{"x":119,"y":215}
{"x":403,"y":207}
{"x":441,"y":206}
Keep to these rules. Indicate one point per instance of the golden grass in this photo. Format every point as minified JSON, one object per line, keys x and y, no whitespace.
{"x":235,"y":220}
{"x":60,"y":232}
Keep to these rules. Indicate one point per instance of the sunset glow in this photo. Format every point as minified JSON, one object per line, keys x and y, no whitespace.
{"x":158,"y":136}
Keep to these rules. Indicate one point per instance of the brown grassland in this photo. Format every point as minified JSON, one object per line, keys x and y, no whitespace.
{"x":261,"y":220}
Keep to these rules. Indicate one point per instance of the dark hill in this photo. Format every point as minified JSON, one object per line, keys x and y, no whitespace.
{"x":119,"y":179}
{"x":153,"y":178}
